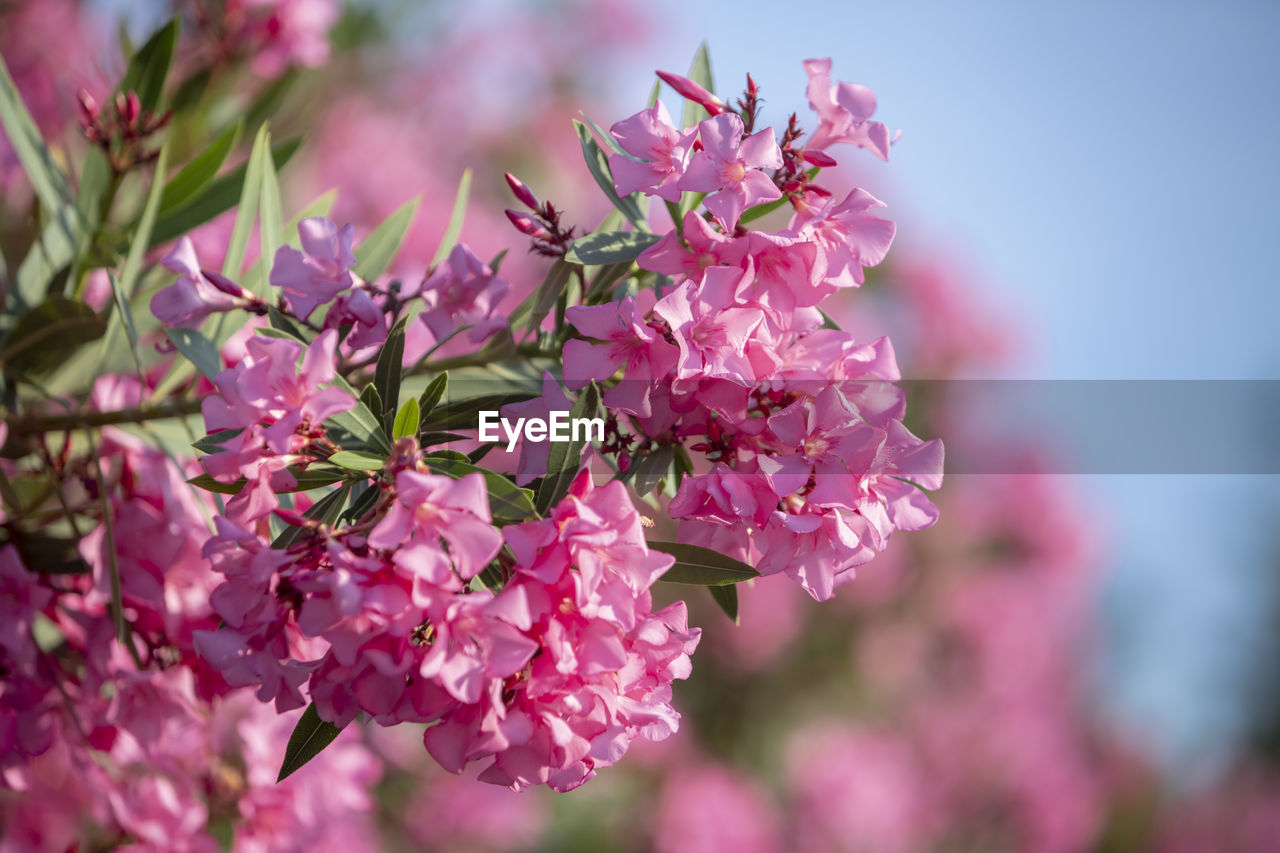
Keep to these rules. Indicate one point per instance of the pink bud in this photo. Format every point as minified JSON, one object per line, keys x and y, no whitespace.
{"x":522,"y":192}
{"x":526,"y":224}
{"x":694,"y":92}
{"x":819,"y":158}
{"x":624,"y":462}
{"x":88,"y":107}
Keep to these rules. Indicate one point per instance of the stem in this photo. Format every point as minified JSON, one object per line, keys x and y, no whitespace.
{"x":35,"y":424}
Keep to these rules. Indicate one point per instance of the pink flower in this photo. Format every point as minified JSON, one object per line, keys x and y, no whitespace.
{"x":691,"y":251}
{"x":318,"y":273}
{"x":848,"y":237}
{"x":463,"y":291}
{"x":710,"y":329}
{"x":844,"y":112}
{"x":196,"y":294}
{"x":661,"y":153}
{"x":431,"y":507}
{"x":628,"y":342}
{"x":729,"y":167}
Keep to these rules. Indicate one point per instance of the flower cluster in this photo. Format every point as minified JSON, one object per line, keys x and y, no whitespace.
{"x":811,"y":468}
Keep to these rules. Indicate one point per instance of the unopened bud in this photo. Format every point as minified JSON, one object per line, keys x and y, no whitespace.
{"x":819,"y":158}
{"x":526,"y":224}
{"x":522,"y":192}
{"x":694,"y":92}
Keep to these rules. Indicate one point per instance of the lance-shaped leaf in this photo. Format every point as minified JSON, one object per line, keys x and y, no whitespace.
{"x":46,"y":335}
{"x":247,"y":213}
{"x":565,"y":457}
{"x":598,"y":165}
{"x":361,"y":422}
{"x":50,"y":183}
{"x":609,"y":247}
{"x":464,"y":414}
{"x":534,"y":309}
{"x":700,"y":73}
{"x":217,"y":197}
{"x":356,"y":460}
{"x":327,"y":510}
{"x":376,"y":251}
{"x":194,"y":177}
{"x":651,"y":469}
{"x":702,"y":566}
{"x":407,"y":419}
{"x":454,"y":229}
{"x":312,"y":478}
{"x":727,"y":597}
{"x":431,"y":395}
{"x":310,"y":736}
{"x":198,"y":349}
{"x":150,"y":66}
{"x":387,"y":375}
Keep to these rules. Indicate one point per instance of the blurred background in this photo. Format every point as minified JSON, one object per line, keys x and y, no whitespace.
{"x":1082,"y":191}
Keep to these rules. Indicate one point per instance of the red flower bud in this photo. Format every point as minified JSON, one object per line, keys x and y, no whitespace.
{"x":694,"y":92}
{"x":522,"y":192}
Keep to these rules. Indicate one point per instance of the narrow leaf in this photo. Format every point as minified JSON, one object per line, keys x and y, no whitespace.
{"x":431,"y":395}
{"x":406,"y":420}
{"x":327,"y":510}
{"x":702,"y":566}
{"x":248,"y":207}
{"x":310,"y":736}
{"x":270,"y":224}
{"x":46,"y":335}
{"x":198,"y":349}
{"x":727,"y":597}
{"x":357,"y":460}
{"x":142,"y":234}
{"x":50,"y":183}
{"x":387,"y":375}
{"x":150,"y":66}
{"x":376,"y":251}
{"x":217,"y":197}
{"x":700,"y":73}
{"x":454,"y":228}
{"x":566,"y":456}
{"x":598,"y":165}
{"x":609,"y":247}
{"x":312,"y":478}
{"x":651,"y":469}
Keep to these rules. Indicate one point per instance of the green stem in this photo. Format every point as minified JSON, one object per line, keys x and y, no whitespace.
{"x":35,"y":424}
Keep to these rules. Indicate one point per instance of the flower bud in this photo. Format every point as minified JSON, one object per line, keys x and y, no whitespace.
{"x":694,"y":92}
{"x":522,"y":192}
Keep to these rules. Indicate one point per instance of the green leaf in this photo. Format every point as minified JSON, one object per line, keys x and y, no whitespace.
{"x":538,"y":304}
{"x":198,"y":349}
{"x":270,"y":225}
{"x":431,"y":395}
{"x":150,"y":66}
{"x":702,"y":566}
{"x":142,"y":234}
{"x":827,"y":321}
{"x":356,"y":460}
{"x":250,"y":194}
{"x":283,"y":323}
{"x":700,"y":73}
{"x":651,"y":469}
{"x":376,"y":251}
{"x":212,"y":443}
{"x":50,"y":183}
{"x":454,"y":228}
{"x":217,"y":197}
{"x":310,"y":736}
{"x":125,"y":314}
{"x":753,"y":213}
{"x":727,"y":597}
{"x":463,"y":414}
{"x":609,"y":247}
{"x":327,"y":510}
{"x":312,"y":478}
{"x":387,"y":375}
{"x":407,"y":420}
{"x":46,"y":335}
{"x":566,"y":456}
{"x":507,"y":501}
{"x":431,"y":439}
{"x":598,"y":165}
{"x":361,"y":422}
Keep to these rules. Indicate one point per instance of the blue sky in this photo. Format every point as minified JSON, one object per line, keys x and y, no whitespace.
{"x":1110,"y":171}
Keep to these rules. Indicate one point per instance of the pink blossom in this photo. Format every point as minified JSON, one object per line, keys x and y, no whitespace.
{"x":728,"y":166}
{"x":661,"y":153}
{"x":844,"y":112}
{"x":321,"y":271}
{"x":196,"y":294}
{"x":429,"y":508}
{"x":463,"y":291}
{"x":848,"y":237}
{"x":710,"y":329}
{"x":627,"y":342}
